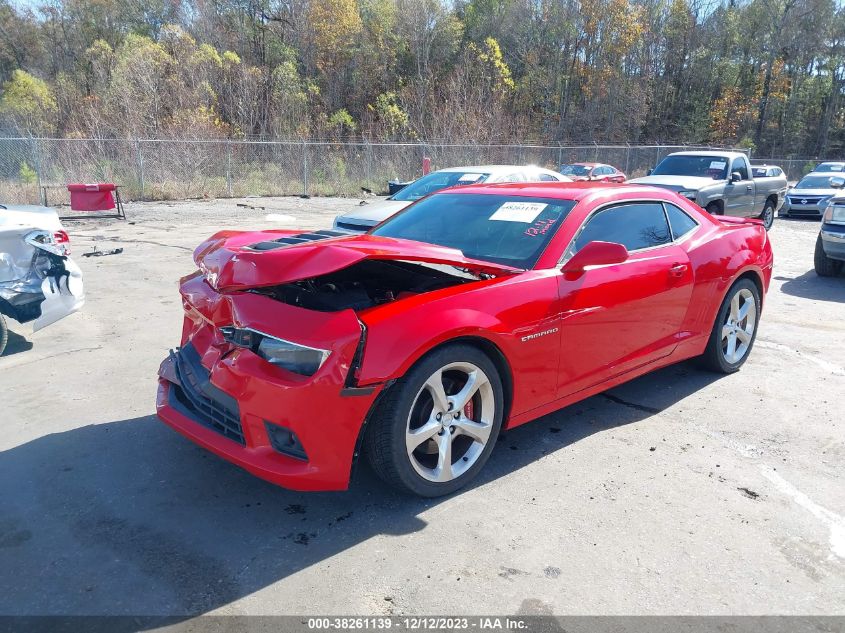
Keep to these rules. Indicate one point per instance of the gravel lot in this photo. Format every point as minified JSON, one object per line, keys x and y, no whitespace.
{"x":682,"y":492}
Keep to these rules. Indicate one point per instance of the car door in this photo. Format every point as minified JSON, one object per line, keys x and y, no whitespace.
{"x":739,"y":196}
{"x":618,"y":317}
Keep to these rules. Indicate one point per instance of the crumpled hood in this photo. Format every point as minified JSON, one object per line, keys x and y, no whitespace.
{"x":230,"y":262}
{"x":374,"y":212}
{"x":676,"y":183}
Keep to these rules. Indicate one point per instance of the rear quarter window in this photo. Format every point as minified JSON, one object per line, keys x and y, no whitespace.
{"x":636,"y":226}
{"x":681,"y":223}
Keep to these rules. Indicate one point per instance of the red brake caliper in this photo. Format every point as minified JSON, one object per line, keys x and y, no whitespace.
{"x":468,"y":410}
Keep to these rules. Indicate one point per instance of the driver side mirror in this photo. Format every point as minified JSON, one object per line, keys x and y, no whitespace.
{"x":837,"y":183}
{"x":648,"y":173}
{"x":596,"y":254}
{"x":736,"y":176}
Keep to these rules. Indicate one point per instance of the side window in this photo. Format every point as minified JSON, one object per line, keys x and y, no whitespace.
{"x":680,"y":222}
{"x":741,"y":166}
{"x":547,"y":178}
{"x":638,"y":225}
{"x":515,"y":177}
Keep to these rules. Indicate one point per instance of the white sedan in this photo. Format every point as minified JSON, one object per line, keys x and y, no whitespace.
{"x":39,"y":283}
{"x":368,"y":215}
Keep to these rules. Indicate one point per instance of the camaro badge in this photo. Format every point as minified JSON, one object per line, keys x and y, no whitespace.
{"x":538,"y":334}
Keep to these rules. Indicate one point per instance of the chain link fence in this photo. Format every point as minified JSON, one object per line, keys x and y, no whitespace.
{"x":32,"y":169}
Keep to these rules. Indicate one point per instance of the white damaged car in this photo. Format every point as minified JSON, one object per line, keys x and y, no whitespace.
{"x":39,"y":282}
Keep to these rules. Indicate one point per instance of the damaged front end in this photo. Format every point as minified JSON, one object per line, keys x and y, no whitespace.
{"x":273,"y":339}
{"x":39,"y":283}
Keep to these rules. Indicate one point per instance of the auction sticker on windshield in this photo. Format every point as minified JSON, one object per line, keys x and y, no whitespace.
{"x":525,"y":212}
{"x":718,"y":164}
{"x":469,"y":177}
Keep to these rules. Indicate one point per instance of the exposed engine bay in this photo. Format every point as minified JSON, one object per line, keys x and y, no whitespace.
{"x":366,"y":284}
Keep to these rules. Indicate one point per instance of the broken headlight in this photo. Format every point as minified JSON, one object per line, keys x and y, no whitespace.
{"x":296,"y":358}
{"x":56,"y":243}
{"x":299,"y":359}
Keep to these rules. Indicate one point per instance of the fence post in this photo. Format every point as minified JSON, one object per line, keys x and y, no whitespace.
{"x":596,"y":153}
{"x":657,"y":160}
{"x":627,"y":159}
{"x":229,"y":168}
{"x":139,"y":159}
{"x":304,"y":169}
{"x":368,"y":148}
{"x":559,"y":156}
{"x":36,"y":159}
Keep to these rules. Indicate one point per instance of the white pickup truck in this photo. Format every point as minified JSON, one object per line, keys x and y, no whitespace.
{"x":720,"y":182}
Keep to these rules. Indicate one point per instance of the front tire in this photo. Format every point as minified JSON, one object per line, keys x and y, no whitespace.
{"x":825,"y":266}
{"x":714,"y":208}
{"x":435,"y":428}
{"x":768,"y":215}
{"x":734,"y":329}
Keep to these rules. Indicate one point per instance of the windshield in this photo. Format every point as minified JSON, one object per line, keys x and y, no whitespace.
{"x":715,"y":167}
{"x":816,"y":182}
{"x":826,"y":167}
{"x":437,"y":181}
{"x":575,"y":170}
{"x":511,"y":230}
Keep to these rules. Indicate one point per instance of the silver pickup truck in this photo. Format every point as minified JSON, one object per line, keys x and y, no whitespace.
{"x":720,"y":182}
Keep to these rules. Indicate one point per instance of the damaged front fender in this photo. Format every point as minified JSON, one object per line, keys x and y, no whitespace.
{"x":39,"y":283}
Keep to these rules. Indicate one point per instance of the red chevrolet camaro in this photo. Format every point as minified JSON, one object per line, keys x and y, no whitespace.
{"x":473,"y":310}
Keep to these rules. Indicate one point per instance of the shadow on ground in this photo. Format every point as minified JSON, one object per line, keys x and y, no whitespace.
{"x":811,"y":286}
{"x":128,"y":517}
{"x":16,"y":344}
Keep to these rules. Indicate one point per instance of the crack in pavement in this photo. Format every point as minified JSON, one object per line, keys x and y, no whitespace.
{"x":631,"y":405}
{"x":125,"y":241}
{"x":836,"y":370}
{"x":49,"y":356}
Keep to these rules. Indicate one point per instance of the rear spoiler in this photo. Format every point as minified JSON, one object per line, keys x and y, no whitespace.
{"x":731,"y":219}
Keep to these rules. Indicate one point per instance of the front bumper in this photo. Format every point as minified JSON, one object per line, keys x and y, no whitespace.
{"x":813,"y":208}
{"x":833,"y":241}
{"x":223,"y":397}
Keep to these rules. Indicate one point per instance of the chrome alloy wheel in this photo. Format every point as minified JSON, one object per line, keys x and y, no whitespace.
{"x":738,"y":330}
{"x":450,"y":422}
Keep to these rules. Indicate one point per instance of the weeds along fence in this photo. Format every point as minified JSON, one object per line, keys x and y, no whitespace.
{"x":179,"y":169}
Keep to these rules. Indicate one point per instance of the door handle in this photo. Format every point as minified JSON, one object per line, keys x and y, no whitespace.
{"x":748,"y":188}
{"x":678,"y":270}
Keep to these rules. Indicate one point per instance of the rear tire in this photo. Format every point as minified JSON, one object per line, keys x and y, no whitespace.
{"x":4,"y":334}
{"x":825,"y":266}
{"x":768,"y":215}
{"x":429,"y":440}
{"x":734,"y":330}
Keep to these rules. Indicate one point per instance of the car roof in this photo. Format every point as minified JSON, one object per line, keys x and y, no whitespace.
{"x":559,"y":190}
{"x":491,"y":169}
{"x":713,"y":152}
{"x":827,"y":174}
{"x":831,"y":162}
